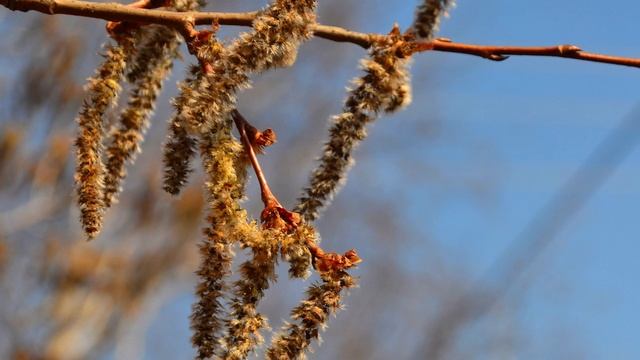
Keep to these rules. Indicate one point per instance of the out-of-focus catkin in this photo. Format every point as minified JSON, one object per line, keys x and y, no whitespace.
{"x":157,"y":54}
{"x":428,"y":15}
{"x":385,"y":86}
{"x":103,"y":89}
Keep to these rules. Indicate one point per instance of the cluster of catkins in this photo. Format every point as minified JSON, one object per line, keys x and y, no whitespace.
{"x":225,"y":321}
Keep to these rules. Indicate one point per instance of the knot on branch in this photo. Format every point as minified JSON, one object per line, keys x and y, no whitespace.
{"x":568,"y":49}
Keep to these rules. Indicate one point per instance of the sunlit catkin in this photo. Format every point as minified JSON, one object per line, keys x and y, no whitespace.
{"x":223,"y":163}
{"x":310,"y":317}
{"x":206,"y":99}
{"x":385,"y":87}
{"x":103,"y":89}
{"x":428,"y":15}
{"x":277,"y":32}
{"x":245,"y":322}
{"x":157,"y":54}
{"x":180,"y":146}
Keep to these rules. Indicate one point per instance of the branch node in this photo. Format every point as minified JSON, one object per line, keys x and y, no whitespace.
{"x":568,"y":49}
{"x":497,"y":57}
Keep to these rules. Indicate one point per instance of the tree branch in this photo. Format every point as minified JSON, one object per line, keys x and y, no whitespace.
{"x":501,"y":53}
{"x":183,"y":21}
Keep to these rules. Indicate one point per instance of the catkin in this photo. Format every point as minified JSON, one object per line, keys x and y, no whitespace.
{"x":180,"y":146}
{"x":311,"y":316}
{"x":207,"y":99}
{"x":103,"y":89}
{"x":157,"y":54}
{"x":223,"y":162}
{"x":245,"y":322}
{"x":428,"y":15}
{"x":277,"y":32}
{"x":384,"y":87}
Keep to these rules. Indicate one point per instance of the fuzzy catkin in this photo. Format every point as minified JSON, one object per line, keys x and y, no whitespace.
{"x":157,"y":54}
{"x":245,"y":322}
{"x":222,"y":158}
{"x":205,"y":100}
{"x":428,"y":15}
{"x":180,"y":146}
{"x":385,"y":86}
{"x":295,"y":251}
{"x":311,"y":316}
{"x":277,"y":32}
{"x":103,"y":89}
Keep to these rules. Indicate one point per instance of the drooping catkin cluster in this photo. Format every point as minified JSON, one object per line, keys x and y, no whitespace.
{"x":207,"y":98}
{"x":384,"y":87}
{"x":152,"y":66}
{"x":277,"y":32}
{"x":311,"y":316}
{"x":222,"y":158}
{"x":103,"y":89}
{"x":180,"y":146}
{"x":428,"y":15}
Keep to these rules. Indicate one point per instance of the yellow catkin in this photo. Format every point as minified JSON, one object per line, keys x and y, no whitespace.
{"x":223,"y":162}
{"x":384,"y":87}
{"x":103,"y":89}
{"x":206,"y":100}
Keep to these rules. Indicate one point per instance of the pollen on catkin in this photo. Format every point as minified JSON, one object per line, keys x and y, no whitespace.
{"x":223,"y":163}
{"x":295,"y":251}
{"x":428,"y":15}
{"x":206,"y":99}
{"x":157,"y":54}
{"x":385,"y":86}
{"x":310,"y":316}
{"x":103,"y":89}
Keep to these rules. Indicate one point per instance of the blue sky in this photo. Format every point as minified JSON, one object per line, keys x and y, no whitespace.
{"x":539,"y":118}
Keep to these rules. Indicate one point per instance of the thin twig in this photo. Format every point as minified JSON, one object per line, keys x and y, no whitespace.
{"x":183,"y":21}
{"x":500,"y":53}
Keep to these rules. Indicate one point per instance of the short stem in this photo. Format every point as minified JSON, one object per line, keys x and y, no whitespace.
{"x":268,"y":198}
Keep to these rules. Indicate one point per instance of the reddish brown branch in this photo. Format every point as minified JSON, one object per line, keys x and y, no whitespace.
{"x":500,"y":53}
{"x":184,"y":21}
